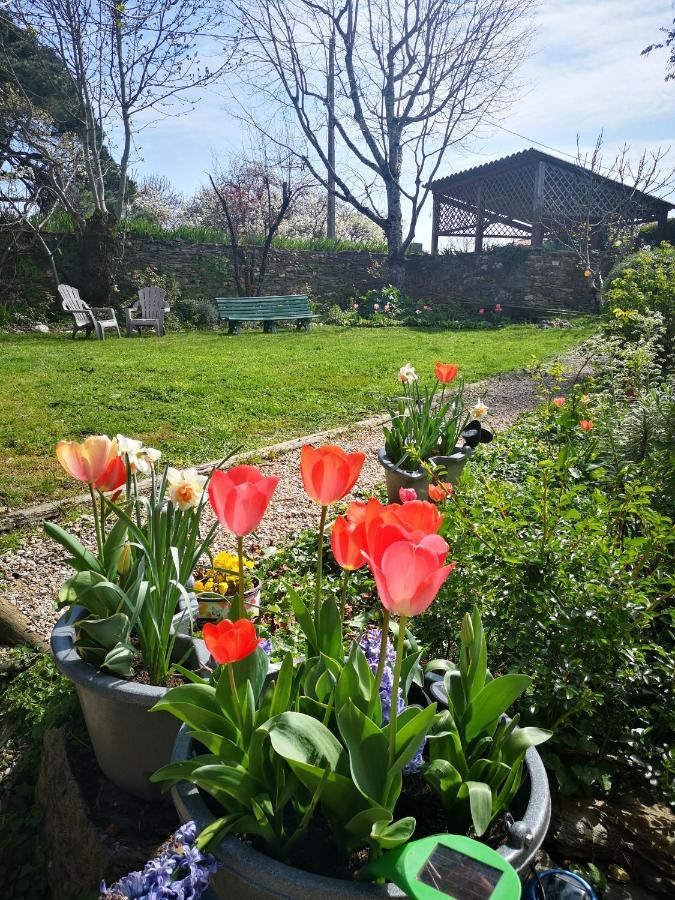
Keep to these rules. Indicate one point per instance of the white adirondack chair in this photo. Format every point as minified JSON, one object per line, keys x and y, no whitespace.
{"x":152,"y":305}
{"x":85,"y":317}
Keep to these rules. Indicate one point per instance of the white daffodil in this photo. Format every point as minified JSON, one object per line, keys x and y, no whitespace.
{"x":146,"y":458}
{"x":186,"y":487}
{"x":141,"y":459}
{"x":479,"y":410}
{"x":127,"y":446}
{"x":406,"y":374}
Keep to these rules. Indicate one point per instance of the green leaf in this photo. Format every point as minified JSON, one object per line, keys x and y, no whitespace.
{"x":491,"y":702}
{"x":410,"y":667}
{"x":389,"y":835}
{"x":295,"y":736}
{"x":454,"y":688}
{"x":283,"y":687}
{"x":362,"y":823}
{"x":520,"y":740}
{"x":119,"y":660}
{"x":367,"y":746}
{"x":81,"y":559}
{"x":106,"y":632}
{"x":480,"y":802}
{"x":330,"y":629}
{"x":304,"y":617}
{"x":356,"y":683}
{"x":444,"y":779}
{"x":113,"y":547}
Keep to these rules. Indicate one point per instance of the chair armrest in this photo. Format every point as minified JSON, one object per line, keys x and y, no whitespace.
{"x":100,"y":312}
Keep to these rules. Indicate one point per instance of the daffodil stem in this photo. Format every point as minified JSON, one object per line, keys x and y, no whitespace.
{"x":241,"y":609}
{"x":99,"y":532}
{"x":394,"y":690}
{"x":343,"y":593}
{"x":319,"y":567}
{"x":383,"y":655}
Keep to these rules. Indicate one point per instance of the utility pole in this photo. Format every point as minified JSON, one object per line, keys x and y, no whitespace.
{"x":330,"y":216}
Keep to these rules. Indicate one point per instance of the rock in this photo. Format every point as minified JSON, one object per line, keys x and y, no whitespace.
{"x":41,"y":328}
{"x":104,"y":836}
{"x":628,"y":892}
{"x":636,"y":839}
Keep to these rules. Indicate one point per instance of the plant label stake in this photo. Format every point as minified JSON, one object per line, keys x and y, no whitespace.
{"x":448,"y":866}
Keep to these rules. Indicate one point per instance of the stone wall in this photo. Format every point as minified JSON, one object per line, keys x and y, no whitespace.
{"x":525,"y":281}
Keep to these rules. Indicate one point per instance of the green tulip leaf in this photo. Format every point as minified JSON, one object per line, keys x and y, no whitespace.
{"x":522,"y":739}
{"x":81,"y":559}
{"x":491,"y":702}
{"x":301,"y":738}
{"x":480,"y":802}
{"x":367,"y":746}
{"x":389,"y":835}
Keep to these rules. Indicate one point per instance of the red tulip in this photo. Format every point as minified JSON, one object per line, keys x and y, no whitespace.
{"x":586,"y":425}
{"x":240,"y":497}
{"x":113,"y":477}
{"x":440,"y":492}
{"x":228,"y":641}
{"x":89,"y":460}
{"x":446,"y":372}
{"x":407,"y":495}
{"x":419,"y":516}
{"x":408,"y":573}
{"x":348,"y":541}
{"x":328,"y":473}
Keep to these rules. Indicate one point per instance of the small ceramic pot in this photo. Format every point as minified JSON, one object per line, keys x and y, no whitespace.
{"x":211,"y":610}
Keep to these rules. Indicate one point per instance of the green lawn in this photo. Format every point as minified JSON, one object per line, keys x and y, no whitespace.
{"x":196,"y":395}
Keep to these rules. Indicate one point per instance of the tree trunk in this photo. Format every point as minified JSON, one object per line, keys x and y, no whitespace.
{"x":97,"y":245}
{"x":395,"y":253}
{"x":14,"y":626}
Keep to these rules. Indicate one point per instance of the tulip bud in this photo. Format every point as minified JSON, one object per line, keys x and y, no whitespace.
{"x":466,"y":631}
{"x":125,"y":560}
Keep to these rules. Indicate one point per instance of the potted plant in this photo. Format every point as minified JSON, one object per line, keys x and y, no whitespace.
{"x":326,"y":758}
{"x":422,"y":440}
{"x":118,"y":639}
{"x":216,"y":585}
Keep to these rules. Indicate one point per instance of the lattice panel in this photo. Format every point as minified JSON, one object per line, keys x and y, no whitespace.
{"x":572,"y":196}
{"x":456,"y":220}
{"x":511,"y":193}
{"x":502,"y":230}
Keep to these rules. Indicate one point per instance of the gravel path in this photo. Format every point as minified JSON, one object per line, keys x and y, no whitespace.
{"x":31,"y":574}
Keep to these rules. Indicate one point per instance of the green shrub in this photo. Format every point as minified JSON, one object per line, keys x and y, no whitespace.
{"x":571,"y":569}
{"x":643,"y":283}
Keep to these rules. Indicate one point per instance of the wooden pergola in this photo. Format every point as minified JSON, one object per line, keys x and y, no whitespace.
{"x":532,"y":194}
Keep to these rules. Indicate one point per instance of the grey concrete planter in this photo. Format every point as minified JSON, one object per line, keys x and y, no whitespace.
{"x":397,"y":478}
{"x":248,"y":874}
{"x":129,"y":742}
{"x":452,"y":466}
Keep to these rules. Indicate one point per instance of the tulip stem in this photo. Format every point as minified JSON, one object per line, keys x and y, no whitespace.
{"x":235,"y":696}
{"x":241,"y":609}
{"x":99,"y":533}
{"x":343,"y":594}
{"x":319,"y":567}
{"x":383,"y":655}
{"x":394,"y":690}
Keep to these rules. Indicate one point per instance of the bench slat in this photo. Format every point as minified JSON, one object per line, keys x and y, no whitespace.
{"x":271,"y":308}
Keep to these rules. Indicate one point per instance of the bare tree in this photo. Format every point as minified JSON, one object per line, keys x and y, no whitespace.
{"x":603,"y":223}
{"x":413,"y":78}
{"x":128,"y":63}
{"x":256,"y":195}
{"x":666,"y":43}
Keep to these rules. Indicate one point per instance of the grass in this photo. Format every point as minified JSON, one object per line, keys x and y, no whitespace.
{"x":197,"y":395}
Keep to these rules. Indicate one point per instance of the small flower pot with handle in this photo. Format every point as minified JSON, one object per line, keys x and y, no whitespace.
{"x":129,"y":742}
{"x":248,"y":874}
{"x":397,"y":478}
{"x":214,"y":610}
{"x":452,"y":466}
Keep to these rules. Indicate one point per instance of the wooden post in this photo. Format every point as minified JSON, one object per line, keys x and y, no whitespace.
{"x":661,"y":226}
{"x":435,"y":220}
{"x":480,"y":220}
{"x":538,"y":206}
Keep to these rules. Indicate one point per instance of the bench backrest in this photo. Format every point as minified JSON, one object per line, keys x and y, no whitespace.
{"x":74,"y":304}
{"x":152,"y":301}
{"x":263,"y":307}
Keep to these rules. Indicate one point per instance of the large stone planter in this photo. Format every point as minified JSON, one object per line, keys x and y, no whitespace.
{"x":248,"y":874}
{"x":397,"y":478}
{"x":129,"y":742}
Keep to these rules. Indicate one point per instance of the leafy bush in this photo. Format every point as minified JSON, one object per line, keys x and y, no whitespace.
{"x":644,"y":283}
{"x":571,"y":570}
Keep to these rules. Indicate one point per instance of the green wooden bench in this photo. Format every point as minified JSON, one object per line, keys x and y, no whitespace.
{"x":268,"y":310}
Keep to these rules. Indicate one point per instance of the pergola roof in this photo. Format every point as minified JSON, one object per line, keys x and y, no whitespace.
{"x":529,"y":192}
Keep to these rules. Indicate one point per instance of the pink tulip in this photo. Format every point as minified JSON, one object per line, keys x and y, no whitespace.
{"x":89,"y":460}
{"x":558,"y":401}
{"x":408,"y":575}
{"x":240,"y":497}
{"x":481,"y":311}
{"x":407,"y":495}
{"x":328,"y":473}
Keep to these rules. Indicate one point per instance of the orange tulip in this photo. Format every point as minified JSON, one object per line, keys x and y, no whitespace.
{"x":446,"y":372}
{"x":440,"y":492}
{"x":89,"y":460}
{"x":328,"y":473}
{"x":348,"y":541}
{"x":228,"y":641}
{"x":113,"y":477}
{"x":586,"y":425}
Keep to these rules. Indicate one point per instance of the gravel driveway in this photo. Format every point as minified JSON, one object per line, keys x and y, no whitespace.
{"x":31,"y":575}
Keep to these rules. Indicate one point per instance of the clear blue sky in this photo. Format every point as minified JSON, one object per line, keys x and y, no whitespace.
{"x":585,"y":74}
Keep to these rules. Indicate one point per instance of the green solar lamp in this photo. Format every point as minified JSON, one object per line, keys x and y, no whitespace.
{"x":448,"y":866}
